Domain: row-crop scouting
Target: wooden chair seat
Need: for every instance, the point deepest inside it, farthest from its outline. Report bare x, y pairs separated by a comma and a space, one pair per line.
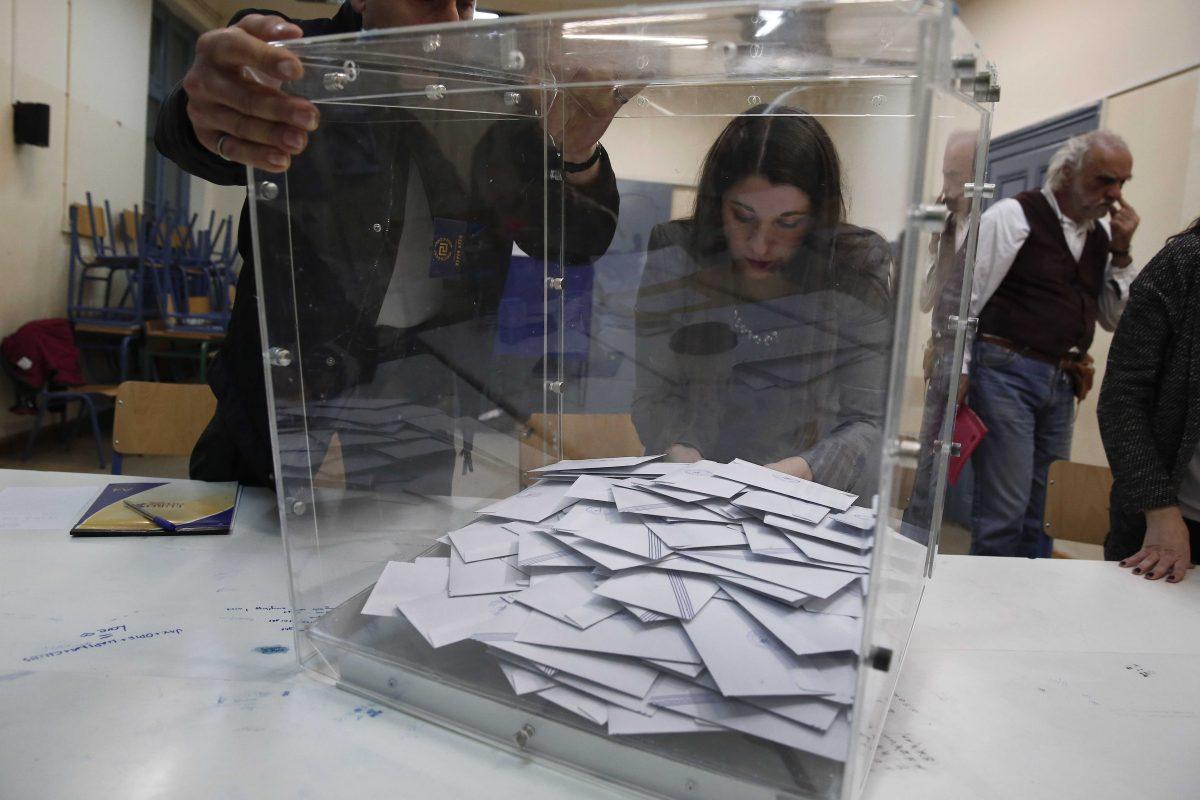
106, 328
155, 329
96, 388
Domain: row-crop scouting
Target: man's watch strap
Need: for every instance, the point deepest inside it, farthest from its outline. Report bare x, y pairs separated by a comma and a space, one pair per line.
584, 166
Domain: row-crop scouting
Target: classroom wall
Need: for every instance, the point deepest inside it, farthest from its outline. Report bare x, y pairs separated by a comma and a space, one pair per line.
62, 53
89, 59
1056, 55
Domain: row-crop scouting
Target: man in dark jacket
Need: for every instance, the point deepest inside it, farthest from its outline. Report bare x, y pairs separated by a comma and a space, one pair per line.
341, 228
1150, 417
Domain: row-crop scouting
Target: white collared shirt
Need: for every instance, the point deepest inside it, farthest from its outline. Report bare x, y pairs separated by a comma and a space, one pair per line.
1003, 230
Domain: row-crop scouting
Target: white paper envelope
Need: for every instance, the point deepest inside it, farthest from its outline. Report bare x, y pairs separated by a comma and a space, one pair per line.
585, 705
666, 491
534, 504
827, 553
773, 503
645, 615
781, 593
483, 539
803, 632
774, 591
689, 700
725, 509
744, 659
689, 671
596, 463
524, 681
623, 674
857, 517
634, 501
402, 580
620, 635
848, 602
773, 481
815, 712
676, 594
446, 620
701, 477
605, 525
590, 487
859, 540
622, 722
494, 576
609, 558
691, 535
569, 597
811, 580
767, 541
536, 548
610, 696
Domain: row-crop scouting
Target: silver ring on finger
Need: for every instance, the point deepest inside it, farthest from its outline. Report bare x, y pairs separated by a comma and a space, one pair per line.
221, 145
619, 96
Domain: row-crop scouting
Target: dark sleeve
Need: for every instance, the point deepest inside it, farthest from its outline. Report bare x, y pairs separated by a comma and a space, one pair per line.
860, 363
1136, 361
546, 218
666, 409
175, 138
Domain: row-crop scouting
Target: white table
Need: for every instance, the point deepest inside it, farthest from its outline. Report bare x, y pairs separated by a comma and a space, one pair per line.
1025, 679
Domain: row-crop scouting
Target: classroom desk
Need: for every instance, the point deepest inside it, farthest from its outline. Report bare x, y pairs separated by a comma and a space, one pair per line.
1024, 679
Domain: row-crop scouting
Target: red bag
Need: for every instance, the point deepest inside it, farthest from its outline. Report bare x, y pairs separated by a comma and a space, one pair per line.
969, 431
44, 351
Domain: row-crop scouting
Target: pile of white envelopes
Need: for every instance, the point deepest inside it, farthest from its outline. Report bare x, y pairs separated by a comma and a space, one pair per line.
650, 597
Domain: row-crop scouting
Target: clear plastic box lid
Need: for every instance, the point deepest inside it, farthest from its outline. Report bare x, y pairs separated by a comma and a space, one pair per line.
632, 467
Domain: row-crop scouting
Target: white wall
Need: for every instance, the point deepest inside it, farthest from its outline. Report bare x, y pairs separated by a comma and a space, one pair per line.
1056, 55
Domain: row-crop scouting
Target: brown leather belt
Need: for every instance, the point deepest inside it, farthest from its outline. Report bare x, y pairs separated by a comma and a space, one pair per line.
1023, 350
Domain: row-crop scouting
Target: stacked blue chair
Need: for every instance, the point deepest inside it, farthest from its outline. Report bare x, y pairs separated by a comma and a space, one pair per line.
106, 287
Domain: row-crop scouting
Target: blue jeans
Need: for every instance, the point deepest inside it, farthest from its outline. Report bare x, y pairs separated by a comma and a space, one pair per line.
1029, 408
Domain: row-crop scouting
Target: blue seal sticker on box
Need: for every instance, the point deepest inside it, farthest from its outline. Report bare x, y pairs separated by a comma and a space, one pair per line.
451, 238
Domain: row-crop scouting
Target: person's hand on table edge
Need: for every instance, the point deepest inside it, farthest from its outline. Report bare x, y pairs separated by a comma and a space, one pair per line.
234, 97
1166, 548
795, 466
682, 454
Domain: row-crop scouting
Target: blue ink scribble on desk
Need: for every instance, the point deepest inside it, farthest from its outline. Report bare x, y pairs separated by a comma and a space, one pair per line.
273, 649
103, 641
368, 711
283, 616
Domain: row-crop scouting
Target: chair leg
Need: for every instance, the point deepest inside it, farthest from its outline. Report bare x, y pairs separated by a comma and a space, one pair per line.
126, 344
204, 362
37, 426
118, 463
91, 409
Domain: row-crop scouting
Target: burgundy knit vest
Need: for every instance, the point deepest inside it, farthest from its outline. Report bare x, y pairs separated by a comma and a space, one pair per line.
1048, 301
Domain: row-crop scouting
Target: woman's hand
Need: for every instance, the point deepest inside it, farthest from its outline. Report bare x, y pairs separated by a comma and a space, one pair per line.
682, 454
1167, 548
796, 466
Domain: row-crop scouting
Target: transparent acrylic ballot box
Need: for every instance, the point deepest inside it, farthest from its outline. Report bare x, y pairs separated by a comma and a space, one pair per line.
626, 459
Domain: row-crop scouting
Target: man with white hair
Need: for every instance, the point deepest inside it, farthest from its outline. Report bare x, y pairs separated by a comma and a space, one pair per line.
1051, 263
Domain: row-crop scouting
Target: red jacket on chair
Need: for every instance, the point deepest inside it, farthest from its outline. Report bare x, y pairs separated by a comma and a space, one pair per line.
44, 350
